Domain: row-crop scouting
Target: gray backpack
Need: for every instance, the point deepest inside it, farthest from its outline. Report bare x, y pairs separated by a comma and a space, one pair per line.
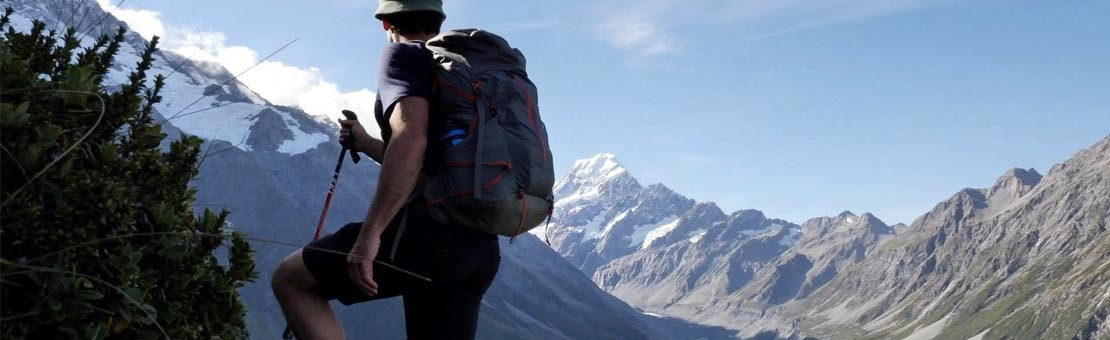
499, 177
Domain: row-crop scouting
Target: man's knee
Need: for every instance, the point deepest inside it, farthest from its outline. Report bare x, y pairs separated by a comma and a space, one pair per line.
291, 274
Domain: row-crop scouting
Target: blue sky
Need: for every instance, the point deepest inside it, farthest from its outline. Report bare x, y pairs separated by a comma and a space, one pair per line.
798, 108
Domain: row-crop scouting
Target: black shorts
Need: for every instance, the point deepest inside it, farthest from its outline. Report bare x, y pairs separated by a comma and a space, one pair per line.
460, 262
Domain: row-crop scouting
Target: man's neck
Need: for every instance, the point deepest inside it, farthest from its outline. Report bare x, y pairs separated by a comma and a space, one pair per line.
415, 37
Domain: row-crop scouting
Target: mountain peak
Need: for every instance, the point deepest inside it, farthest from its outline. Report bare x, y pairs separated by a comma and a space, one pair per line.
1026, 177
875, 224
848, 216
600, 176
1015, 183
601, 165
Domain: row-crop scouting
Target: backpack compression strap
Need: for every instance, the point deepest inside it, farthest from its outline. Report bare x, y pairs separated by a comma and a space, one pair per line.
480, 104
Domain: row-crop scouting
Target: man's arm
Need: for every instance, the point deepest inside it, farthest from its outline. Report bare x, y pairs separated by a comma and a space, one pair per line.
373, 148
409, 123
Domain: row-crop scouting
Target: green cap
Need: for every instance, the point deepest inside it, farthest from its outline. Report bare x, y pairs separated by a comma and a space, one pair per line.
400, 6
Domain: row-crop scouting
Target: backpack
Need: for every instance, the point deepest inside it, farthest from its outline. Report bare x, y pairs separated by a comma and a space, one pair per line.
499, 177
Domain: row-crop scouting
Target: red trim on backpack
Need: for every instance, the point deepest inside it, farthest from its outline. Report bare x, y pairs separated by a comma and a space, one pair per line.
488, 185
454, 90
532, 117
508, 166
494, 181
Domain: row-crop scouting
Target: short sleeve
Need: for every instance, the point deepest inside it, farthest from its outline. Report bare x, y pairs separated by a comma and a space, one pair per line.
406, 70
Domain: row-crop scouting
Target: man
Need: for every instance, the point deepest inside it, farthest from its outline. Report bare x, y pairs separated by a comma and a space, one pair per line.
461, 262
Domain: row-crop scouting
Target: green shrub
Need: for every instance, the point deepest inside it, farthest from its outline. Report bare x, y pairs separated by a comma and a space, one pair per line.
98, 236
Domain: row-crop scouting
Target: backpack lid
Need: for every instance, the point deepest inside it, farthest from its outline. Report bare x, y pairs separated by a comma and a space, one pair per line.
478, 50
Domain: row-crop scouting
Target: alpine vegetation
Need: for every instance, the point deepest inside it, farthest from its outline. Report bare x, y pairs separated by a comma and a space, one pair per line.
100, 239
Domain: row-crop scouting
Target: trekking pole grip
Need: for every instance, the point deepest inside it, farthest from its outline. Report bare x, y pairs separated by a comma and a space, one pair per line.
351, 142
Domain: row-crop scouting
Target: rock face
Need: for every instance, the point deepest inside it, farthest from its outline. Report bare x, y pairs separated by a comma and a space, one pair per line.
702, 264
271, 167
1024, 259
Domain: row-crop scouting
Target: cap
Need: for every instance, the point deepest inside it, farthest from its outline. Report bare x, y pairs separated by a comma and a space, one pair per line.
387, 7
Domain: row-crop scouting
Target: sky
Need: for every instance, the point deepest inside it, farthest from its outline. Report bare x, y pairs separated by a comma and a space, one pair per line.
798, 108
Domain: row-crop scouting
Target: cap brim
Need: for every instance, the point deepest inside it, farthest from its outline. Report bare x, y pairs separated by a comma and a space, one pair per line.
387, 8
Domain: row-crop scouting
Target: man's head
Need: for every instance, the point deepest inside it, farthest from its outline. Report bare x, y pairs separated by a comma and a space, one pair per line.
411, 19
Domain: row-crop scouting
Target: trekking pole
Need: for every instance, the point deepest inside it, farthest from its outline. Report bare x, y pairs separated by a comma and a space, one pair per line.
335, 178
288, 333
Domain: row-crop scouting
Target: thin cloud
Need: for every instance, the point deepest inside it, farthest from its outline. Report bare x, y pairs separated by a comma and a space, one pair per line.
646, 29
654, 27
526, 25
641, 35
281, 84
768, 19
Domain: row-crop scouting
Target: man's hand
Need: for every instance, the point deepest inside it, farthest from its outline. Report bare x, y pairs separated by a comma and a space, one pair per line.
352, 128
353, 135
360, 264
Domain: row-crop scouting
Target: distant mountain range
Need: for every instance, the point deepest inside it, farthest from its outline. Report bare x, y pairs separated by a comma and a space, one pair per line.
1028, 258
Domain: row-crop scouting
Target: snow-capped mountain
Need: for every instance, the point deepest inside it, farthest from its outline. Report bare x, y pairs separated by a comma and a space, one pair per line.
598, 179
271, 167
199, 98
603, 213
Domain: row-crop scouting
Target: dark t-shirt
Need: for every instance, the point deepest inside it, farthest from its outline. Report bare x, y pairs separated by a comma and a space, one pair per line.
406, 70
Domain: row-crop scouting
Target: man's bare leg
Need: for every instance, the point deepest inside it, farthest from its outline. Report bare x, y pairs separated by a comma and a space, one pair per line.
306, 311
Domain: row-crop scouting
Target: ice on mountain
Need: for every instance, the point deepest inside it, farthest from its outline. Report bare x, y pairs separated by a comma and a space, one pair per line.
640, 233
301, 141
658, 231
757, 232
696, 235
614, 221
594, 228
791, 238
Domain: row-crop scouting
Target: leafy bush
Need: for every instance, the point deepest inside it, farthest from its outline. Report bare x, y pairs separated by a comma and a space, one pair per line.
98, 236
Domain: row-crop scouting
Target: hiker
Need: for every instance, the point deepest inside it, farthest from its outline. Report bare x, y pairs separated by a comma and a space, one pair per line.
460, 261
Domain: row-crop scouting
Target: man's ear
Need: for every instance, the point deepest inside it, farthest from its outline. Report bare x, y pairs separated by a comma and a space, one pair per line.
386, 25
